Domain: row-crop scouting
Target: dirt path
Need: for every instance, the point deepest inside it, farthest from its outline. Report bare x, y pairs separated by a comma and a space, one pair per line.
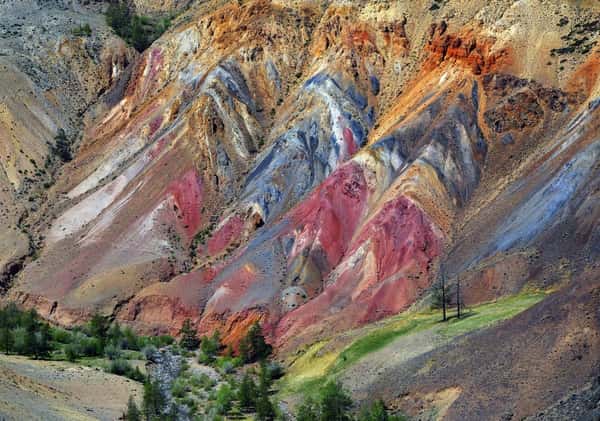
50, 390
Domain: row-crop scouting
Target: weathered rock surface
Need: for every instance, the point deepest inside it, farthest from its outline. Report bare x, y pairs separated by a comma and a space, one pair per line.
318, 167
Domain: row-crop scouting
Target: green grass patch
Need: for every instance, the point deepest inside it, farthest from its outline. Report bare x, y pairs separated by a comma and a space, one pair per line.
314, 367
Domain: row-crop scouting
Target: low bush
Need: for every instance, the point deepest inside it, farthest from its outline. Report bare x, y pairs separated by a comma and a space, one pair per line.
179, 388
224, 398
124, 368
149, 352
82, 30
113, 352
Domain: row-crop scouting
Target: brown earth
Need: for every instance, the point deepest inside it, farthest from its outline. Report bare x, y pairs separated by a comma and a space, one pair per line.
51, 390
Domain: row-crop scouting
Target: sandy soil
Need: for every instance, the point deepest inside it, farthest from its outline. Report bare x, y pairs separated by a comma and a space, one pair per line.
50, 390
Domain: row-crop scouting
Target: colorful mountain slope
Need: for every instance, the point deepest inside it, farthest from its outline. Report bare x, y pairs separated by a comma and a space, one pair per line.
318, 167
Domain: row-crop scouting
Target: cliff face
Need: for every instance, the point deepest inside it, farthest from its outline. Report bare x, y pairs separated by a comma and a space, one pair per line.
316, 167
48, 79
313, 166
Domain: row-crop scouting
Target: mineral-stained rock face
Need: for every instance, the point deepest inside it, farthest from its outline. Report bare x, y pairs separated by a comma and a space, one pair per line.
318, 167
48, 78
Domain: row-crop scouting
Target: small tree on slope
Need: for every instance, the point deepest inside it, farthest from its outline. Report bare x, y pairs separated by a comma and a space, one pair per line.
189, 338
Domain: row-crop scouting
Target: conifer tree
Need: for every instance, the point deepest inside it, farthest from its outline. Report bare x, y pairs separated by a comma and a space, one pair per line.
133, 413
7, 339
247, 394
189, 338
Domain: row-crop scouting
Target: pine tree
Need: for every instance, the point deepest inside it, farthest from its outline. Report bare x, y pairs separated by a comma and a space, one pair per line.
210, 347
154, 401
264, 407
253, 346
335, 403
189, 338
133, 413
247, 393
62, 145
30, 343
98, 328
7, 339
42, 345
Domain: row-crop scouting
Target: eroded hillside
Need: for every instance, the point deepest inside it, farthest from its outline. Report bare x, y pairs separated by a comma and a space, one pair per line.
319, 167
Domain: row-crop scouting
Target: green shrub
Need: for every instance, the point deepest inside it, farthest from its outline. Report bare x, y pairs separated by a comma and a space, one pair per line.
190, 402
308, 411
112, 352
62, 336
133, 413
7, 340
377, 412
119, 367
18, 335
71, 352
247, 393
149, 351
224, 398
122, 367
154, 401
275, 370
179, 388
82, 30
333, 404
129, 340
203, 381
209, 347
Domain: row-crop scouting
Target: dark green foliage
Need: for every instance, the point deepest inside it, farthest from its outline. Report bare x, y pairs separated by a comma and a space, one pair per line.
112, 352
308, 411
189, 339
209, 348
265, 411
224, 399
252, 397
124, 368
7, 340
275, 370
179, 388
98, 326
62, 146
253, 346
82, 30
333, 404
377, 412
62, 336
41, 341
139, 31
133, 413
71, 352
264, 407
129, 340
154, 401
247, 393
118, 17
24, 333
